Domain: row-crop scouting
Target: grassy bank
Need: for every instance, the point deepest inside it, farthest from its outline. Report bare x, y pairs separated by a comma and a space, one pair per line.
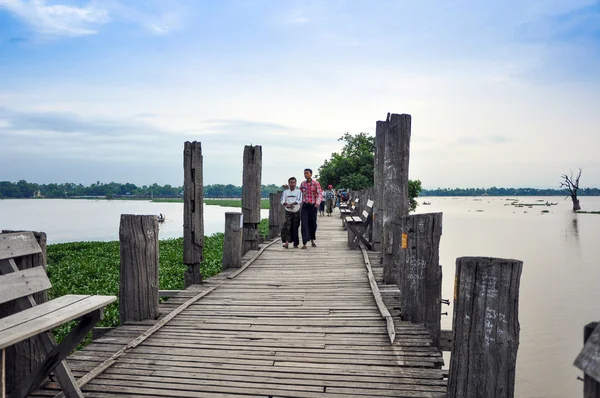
93, 268
264, 204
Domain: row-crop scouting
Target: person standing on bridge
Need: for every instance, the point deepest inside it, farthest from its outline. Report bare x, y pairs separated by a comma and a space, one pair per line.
311, 199
291, 199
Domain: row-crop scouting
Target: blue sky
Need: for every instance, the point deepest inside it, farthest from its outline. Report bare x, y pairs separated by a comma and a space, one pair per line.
501, 93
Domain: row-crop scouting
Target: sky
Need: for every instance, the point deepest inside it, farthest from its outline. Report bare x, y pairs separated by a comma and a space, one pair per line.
501, 93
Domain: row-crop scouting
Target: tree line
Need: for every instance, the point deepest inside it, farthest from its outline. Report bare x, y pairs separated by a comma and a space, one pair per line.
494, 191
24, 189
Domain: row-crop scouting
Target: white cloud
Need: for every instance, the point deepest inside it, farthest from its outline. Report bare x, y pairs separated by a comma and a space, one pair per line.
58, 20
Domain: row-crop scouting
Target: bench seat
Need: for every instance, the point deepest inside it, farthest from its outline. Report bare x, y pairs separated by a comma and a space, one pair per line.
354, 219
47, 316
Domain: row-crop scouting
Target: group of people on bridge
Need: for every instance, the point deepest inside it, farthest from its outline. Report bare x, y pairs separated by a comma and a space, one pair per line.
301, 209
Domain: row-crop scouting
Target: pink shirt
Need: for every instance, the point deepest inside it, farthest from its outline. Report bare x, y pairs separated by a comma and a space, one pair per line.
311, 192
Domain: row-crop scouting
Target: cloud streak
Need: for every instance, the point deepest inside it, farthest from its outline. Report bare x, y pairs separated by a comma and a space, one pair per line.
58, 20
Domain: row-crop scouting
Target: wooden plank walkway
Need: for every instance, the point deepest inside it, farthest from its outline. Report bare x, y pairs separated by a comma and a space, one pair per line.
295, 323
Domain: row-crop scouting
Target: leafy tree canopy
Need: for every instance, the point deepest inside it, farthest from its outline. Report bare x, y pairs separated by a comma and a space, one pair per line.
353, 168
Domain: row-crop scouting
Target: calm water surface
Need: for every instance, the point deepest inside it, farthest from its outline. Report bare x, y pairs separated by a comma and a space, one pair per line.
71, 220
560, 284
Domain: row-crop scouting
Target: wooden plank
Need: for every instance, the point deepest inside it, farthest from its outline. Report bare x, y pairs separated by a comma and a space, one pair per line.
169, 293
58, 354
378, 299
15, 329
18, 244
23, 283
235, 274
110, 361
42, 309
301, 327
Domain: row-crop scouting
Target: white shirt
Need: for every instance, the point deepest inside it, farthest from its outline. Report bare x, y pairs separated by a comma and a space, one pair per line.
289, 197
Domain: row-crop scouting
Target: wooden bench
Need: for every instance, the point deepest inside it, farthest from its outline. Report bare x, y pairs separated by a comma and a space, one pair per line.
350, 208
358, 225
38, 320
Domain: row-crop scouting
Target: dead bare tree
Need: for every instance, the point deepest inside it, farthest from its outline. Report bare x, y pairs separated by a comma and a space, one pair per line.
572, 185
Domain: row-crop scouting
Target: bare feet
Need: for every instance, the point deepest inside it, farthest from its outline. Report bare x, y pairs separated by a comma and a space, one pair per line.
303, 247
313, 244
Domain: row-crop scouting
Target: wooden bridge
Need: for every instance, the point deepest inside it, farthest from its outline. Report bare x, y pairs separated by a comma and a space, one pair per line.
293, 323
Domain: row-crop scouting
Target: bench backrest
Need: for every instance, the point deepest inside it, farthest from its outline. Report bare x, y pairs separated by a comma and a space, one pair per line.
15, 284
368, 210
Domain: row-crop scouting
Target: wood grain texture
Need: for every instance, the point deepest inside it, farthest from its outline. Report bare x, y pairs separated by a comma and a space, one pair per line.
276, 215
395, 184
486, 327
588, 360
293, 323
18, 244
251, 185
193, 214
138, 283
232, 241
419, 273
23, 283
23, 357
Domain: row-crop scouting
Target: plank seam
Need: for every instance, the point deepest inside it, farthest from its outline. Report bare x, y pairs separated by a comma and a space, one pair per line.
141, 338
378, 299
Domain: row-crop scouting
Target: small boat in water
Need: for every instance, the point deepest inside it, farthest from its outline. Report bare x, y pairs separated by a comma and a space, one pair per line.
426, 203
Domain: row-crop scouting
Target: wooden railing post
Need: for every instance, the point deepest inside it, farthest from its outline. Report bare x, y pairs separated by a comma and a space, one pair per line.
380, 129
138, 285
232, 241
419, 271
588, 360
193, 216
22, 357
251, 185
395, 185
486, 328
276, 214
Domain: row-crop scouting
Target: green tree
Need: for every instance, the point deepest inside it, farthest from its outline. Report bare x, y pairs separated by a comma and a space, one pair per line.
353, 168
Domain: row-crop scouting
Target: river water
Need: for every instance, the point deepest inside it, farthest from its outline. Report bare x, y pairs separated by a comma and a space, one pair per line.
560, 283
71, 220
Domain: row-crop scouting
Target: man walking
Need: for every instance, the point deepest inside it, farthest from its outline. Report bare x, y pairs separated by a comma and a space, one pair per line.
291, 199
311, 198
330, 198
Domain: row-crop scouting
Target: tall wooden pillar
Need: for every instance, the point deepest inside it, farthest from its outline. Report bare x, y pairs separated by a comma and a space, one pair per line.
395, 185
251, 184
193, 217
381, 128
419, 271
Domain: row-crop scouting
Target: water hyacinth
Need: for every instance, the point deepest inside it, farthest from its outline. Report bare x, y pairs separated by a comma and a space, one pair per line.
93, 268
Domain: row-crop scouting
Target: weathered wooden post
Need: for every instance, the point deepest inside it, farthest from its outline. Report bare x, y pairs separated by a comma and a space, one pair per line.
486, 328
232, 241
251, 196
395, 185
417, 255
193, 216
22, 357
380, 129
138, 284
276, 214
588, 360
